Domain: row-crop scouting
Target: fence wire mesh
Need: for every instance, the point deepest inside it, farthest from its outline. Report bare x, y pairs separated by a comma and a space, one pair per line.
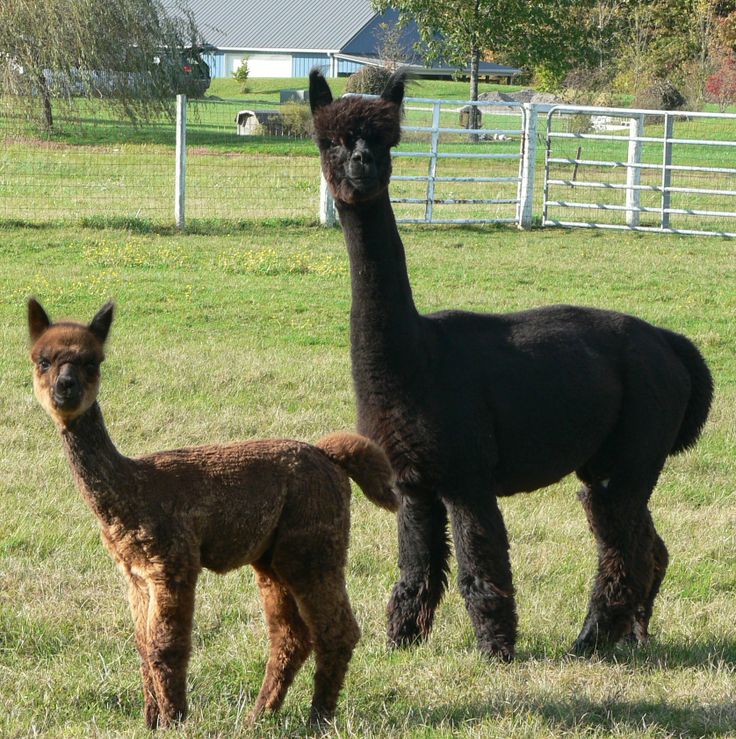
272, 172
96, 165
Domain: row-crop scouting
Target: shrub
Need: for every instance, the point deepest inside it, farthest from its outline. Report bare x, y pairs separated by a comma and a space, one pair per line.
660, 95
547, 79
296, 120
368, 81
721, 86
587, 86
241, 74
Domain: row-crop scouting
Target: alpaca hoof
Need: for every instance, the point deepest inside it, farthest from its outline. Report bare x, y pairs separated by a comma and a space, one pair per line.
169, 720
404, 638
404, 628
150, 714
496, 649
320, 718
583, 647
253, 715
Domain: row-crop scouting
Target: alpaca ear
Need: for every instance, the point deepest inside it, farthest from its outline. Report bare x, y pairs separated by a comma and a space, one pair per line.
100, 324
38, 321
319, 91
394, 91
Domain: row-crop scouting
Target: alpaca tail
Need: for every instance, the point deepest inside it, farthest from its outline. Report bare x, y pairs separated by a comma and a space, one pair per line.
701, 390
366, 463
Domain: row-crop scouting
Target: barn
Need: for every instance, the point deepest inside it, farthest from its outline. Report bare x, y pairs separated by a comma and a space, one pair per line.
281, 39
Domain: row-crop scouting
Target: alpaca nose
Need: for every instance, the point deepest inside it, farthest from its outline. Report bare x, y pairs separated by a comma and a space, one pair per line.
67, 387
65, 382
361, 154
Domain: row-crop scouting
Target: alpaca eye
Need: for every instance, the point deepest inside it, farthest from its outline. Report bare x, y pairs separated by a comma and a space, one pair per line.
43, 365
92, 368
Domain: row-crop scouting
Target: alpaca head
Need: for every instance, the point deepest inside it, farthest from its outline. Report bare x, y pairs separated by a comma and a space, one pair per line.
66, 357
355, 136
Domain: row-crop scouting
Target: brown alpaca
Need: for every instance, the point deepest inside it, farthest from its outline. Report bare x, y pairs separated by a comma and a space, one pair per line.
281, 506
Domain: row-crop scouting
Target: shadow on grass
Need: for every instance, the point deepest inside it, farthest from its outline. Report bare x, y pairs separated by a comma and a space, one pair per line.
655, 655
582, 714
194, 227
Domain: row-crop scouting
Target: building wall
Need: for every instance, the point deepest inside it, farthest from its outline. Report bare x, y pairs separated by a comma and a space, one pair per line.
216, 62
223, 64
301, 64
346, 68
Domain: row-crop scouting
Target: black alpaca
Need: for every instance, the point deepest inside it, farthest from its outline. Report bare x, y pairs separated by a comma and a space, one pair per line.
471, 406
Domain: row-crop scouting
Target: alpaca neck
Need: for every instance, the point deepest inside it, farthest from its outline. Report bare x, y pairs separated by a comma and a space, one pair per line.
101, 472
383, 317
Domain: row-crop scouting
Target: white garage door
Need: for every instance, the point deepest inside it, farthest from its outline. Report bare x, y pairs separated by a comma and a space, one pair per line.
269, 65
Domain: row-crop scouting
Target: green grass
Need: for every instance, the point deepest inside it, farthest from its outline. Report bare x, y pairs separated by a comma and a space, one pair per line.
266, 89
243, 332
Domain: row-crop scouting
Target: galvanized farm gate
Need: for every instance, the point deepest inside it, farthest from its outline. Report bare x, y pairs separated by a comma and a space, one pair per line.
448, 171
643, 170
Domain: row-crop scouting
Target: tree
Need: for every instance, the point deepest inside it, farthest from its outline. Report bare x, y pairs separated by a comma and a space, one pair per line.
721, 86
463, 32
127, 51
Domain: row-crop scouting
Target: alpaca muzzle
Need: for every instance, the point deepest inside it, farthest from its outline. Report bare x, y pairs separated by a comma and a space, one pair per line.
67, 388
361, 166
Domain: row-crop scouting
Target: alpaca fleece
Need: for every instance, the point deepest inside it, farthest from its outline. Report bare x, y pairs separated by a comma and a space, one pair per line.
470, 407
279, 505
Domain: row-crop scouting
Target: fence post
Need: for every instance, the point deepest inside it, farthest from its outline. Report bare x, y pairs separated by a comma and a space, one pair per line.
181, 159
633, 173
525, 211
666, 171
432, 171
327, 215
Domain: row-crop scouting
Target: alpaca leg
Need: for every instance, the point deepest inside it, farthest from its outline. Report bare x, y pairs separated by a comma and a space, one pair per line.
484, 574
289, 637
324, 605
423, 562
170, 616
660, 560
335, 632
138, 597
624, 584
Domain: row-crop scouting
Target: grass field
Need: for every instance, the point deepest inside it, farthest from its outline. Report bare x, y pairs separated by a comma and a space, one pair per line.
233, 334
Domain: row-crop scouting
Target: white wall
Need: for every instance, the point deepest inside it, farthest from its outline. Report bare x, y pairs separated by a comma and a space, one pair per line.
260, 65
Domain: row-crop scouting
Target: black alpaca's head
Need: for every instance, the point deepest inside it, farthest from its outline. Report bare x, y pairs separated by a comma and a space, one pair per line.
355, 136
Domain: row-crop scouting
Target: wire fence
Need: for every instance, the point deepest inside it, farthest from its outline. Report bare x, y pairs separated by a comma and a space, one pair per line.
598, 168
99, 166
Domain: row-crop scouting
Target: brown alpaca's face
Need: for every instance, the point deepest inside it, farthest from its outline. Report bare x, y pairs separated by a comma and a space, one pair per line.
355, 136
66, 360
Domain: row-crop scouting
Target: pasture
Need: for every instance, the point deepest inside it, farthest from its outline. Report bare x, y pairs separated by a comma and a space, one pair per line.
237, 333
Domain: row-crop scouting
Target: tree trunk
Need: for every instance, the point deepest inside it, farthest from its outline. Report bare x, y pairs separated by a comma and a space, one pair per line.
47, 119
475, 117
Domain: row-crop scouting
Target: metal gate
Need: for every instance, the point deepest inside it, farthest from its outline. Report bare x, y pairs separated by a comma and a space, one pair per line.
644, 170
448, 171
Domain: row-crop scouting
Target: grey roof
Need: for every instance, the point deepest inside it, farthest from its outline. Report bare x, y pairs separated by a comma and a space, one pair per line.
289, 25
